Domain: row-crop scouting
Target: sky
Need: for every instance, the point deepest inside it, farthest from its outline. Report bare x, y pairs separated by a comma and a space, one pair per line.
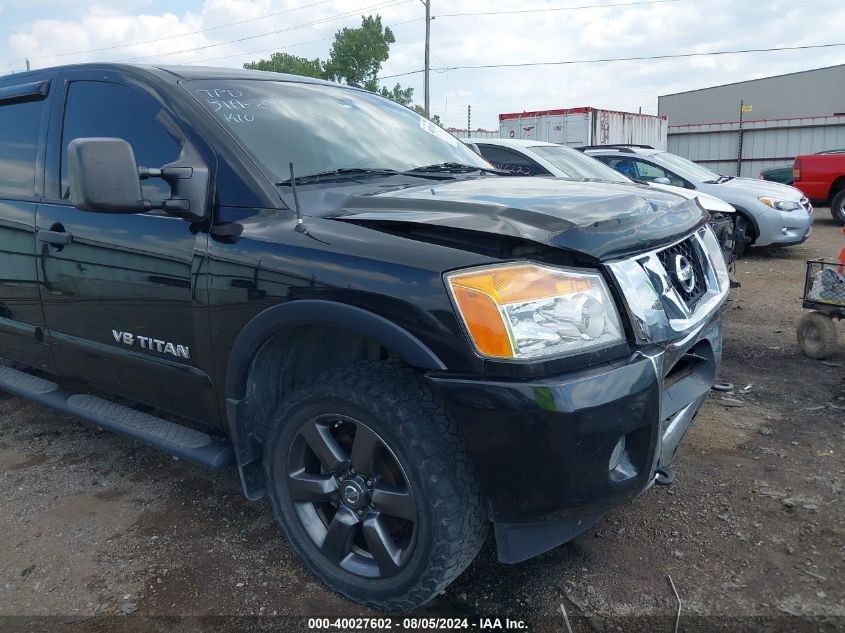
231, 32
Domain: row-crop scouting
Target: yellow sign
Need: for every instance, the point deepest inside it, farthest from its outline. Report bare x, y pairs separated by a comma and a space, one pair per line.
746, 108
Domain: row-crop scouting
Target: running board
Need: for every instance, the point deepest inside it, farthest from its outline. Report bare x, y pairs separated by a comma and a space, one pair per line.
183, 442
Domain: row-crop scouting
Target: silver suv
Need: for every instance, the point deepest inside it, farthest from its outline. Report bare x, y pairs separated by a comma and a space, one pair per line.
769, 213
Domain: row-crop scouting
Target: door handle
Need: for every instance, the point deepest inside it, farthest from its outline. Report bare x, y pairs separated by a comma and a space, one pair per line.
55, 238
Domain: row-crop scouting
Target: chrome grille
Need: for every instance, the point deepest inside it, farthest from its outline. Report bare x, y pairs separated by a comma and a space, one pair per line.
674, 259
656, 309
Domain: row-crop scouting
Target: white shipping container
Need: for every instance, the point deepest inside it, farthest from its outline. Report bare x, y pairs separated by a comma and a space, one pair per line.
462, 133
585, 126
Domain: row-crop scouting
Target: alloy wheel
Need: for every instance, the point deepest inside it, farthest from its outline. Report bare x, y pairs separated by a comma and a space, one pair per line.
352, 496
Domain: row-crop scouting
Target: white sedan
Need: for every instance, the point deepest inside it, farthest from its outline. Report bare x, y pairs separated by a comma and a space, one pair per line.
537, 158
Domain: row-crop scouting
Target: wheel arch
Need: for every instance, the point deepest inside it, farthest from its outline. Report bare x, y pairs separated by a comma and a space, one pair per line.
290, 342
835, 187
751, 220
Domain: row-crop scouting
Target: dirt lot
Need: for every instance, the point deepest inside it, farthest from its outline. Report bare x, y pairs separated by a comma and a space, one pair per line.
98, 533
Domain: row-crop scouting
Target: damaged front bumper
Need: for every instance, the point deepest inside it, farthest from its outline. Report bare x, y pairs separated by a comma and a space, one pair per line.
555, 454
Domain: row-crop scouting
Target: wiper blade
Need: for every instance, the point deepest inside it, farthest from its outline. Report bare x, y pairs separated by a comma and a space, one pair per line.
456, 168
719, 181
343, 172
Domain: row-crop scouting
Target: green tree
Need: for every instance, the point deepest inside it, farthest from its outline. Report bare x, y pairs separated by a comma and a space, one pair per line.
356, 57
285, 63
405, 96
358, 53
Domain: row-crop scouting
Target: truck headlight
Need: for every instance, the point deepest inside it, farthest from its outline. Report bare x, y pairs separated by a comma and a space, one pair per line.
780, 205
526, 311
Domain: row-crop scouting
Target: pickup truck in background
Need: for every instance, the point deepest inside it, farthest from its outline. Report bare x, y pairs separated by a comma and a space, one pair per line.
822, 179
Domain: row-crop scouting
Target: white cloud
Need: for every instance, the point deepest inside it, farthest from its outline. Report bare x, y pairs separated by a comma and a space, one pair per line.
670, 27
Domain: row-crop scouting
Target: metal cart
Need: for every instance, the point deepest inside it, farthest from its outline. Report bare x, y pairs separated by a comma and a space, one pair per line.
824, 294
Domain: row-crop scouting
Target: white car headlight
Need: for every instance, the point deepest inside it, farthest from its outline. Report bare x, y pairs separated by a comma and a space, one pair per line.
780, 205
526, 311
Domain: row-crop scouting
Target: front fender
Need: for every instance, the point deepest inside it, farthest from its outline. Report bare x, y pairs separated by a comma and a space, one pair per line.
301, 313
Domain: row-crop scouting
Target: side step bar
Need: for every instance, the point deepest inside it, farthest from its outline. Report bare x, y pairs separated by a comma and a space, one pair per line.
183, 442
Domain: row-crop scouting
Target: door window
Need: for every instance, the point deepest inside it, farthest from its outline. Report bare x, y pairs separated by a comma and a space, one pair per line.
20, 124
509, 160
112, 110
650, 172
624, 166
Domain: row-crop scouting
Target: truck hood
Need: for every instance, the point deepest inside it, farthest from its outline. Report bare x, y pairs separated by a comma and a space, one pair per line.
601, 220
761, 188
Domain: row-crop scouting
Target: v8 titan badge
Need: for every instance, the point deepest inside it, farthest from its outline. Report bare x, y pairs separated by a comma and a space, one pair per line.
152, 344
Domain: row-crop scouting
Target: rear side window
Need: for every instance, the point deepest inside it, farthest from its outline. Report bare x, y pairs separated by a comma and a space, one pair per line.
20, 124
511, 161
112, 110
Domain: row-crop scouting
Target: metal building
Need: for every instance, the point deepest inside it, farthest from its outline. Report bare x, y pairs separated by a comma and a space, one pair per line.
783, 116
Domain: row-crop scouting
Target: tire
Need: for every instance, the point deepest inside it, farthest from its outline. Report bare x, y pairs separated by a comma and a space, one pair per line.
817, 335
416, 454
837, 208
740, 235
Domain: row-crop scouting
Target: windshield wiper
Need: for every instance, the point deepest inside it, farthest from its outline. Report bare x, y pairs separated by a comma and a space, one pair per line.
456, 168
343, 172
719, 181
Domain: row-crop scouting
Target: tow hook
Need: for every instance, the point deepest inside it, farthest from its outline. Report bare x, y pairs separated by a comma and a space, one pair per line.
664, 476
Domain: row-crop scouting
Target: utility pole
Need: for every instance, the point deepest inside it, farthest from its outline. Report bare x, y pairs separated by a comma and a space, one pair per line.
469, 119
739, 140
742, 110
427, 58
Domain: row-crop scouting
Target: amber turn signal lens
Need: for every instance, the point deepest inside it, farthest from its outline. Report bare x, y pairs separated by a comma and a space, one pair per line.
485, 324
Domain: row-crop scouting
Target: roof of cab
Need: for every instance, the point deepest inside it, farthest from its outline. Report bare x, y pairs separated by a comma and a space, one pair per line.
622, 150
176, 73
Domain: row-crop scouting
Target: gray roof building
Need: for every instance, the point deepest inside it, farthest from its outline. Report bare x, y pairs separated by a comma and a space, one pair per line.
807, 93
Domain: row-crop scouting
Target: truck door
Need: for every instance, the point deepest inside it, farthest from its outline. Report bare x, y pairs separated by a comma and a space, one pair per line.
23, 122
124, 296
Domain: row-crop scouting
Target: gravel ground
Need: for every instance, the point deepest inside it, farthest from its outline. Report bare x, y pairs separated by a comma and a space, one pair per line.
99, 533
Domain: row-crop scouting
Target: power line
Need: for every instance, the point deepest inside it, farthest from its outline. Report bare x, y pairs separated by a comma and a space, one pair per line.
307, 6
281, 48
382, 5
624, 59
550, 9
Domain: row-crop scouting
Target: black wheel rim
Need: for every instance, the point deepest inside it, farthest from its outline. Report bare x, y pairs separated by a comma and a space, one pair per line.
352, 496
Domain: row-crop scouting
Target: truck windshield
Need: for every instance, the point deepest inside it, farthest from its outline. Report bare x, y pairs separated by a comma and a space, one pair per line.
322, 128
576, 165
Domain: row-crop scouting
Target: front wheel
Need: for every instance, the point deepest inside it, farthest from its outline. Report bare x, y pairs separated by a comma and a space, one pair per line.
837, 208
371, 483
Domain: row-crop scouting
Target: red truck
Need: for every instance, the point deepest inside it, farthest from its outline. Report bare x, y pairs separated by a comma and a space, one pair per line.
822, 179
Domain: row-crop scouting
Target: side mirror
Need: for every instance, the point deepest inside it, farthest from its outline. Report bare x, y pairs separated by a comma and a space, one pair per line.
104, 176
662, 181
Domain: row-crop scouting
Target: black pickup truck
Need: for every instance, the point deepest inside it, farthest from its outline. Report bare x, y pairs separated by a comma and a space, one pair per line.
392, 341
